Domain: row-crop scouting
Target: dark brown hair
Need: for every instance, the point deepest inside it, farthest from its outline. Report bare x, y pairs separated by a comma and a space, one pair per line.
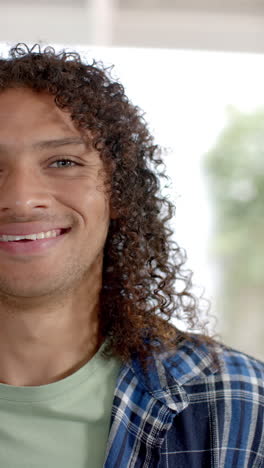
141, 264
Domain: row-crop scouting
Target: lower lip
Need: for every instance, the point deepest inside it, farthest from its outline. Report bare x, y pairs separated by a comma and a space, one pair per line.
31, 247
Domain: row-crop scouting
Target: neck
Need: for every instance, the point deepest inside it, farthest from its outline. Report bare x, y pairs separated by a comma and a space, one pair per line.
48, 342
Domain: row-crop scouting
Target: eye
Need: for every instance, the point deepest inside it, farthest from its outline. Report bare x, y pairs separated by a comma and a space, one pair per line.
65, 161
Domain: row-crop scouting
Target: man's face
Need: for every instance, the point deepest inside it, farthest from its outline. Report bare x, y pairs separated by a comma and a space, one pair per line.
36, 188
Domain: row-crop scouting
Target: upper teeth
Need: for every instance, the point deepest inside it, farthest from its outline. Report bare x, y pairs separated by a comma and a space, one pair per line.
40, 235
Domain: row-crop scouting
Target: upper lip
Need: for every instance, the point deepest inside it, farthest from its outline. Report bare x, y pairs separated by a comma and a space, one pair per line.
23, 229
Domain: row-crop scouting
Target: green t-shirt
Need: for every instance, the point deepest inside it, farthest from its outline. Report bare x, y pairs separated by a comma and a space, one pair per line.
62, 424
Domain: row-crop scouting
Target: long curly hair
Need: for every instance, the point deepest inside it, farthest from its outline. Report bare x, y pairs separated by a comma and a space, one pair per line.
141, 265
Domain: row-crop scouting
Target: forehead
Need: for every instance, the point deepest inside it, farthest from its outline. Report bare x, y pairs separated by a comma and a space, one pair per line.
24, 113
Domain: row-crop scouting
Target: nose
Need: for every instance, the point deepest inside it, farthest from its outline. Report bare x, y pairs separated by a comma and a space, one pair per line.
22, 193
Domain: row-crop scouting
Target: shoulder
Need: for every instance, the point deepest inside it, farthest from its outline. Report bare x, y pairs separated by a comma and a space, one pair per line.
194, 369
236, 363
193, 362
222, 407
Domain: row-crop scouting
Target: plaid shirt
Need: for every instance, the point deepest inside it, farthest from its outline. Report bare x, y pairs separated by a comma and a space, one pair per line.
187, 414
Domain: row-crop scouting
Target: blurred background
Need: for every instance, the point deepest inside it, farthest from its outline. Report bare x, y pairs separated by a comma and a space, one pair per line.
196, 67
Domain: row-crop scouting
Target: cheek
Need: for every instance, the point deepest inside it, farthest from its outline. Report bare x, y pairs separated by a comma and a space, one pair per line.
91, 205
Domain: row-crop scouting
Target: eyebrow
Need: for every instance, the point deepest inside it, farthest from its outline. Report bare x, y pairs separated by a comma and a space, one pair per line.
58, 142
55, 143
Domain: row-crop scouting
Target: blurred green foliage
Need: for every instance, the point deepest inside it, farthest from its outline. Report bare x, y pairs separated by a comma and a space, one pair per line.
235, 171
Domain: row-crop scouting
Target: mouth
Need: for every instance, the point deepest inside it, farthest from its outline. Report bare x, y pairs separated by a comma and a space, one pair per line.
33, 247
62, 231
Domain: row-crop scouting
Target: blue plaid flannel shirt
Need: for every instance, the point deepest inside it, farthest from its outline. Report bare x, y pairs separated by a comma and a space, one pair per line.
187, 414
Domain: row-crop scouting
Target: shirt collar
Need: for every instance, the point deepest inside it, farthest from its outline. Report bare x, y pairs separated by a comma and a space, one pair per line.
170, 371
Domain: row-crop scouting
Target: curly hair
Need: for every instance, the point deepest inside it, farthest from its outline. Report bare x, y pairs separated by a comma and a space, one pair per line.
141, 265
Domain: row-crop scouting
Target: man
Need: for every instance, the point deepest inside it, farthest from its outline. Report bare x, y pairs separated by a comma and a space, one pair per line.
92, 371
